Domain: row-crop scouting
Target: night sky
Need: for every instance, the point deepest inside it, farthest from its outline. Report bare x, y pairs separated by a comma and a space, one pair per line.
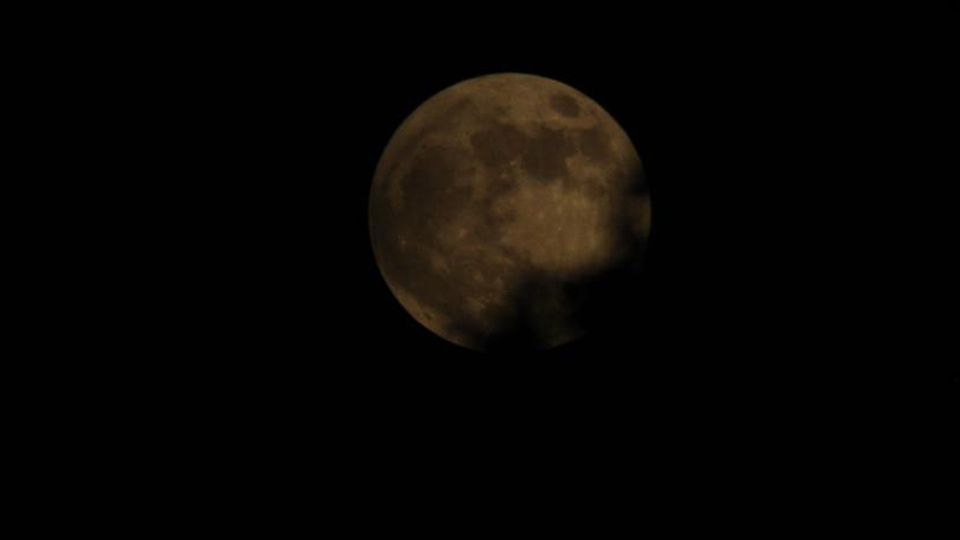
748, 298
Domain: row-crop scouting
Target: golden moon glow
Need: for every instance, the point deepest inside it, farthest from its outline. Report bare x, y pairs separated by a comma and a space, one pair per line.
496, 202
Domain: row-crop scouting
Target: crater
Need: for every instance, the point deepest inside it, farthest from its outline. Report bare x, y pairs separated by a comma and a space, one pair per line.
545, 158
595, 143
565, 105
497, 146
430, 194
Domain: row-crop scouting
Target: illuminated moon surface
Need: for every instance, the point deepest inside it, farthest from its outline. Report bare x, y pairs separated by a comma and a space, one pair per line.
497, 206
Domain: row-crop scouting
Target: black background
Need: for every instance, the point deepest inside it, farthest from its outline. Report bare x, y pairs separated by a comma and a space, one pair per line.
753, 301
251, 350
302, 132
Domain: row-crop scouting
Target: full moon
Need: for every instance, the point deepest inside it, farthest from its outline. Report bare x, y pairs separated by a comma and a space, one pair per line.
498, 205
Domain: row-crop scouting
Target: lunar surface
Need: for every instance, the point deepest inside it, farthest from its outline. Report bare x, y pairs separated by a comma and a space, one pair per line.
499, 204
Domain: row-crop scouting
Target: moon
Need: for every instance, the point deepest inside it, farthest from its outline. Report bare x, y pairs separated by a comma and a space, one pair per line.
499, 204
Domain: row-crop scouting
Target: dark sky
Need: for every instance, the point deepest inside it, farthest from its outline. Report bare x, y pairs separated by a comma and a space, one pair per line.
748, 295
229, 346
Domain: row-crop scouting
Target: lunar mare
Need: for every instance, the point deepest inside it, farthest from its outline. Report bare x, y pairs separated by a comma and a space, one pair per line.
495, 204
